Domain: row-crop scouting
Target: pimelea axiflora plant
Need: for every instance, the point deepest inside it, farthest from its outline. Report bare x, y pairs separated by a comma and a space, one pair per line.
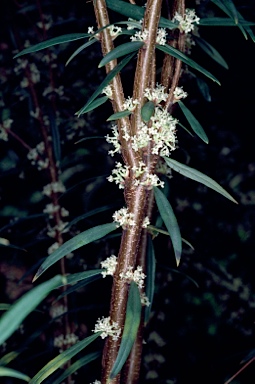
143, 137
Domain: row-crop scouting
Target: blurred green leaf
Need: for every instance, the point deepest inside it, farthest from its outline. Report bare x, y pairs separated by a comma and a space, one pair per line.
119, 115
132, 321
11, 319
193, 174
228, 7
147, 111
223, 22
49, 43
185, 59
150, 278
77, 365
76, 242
211, 51
12, 373
204, 89
73, 278
61, 359
194, 123
76, 286
168, 216
105, 82
121, 50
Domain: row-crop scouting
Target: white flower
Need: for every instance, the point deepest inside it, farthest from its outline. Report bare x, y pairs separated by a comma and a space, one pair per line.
140, 35
143, 177
3, 134
107, 91
137, 276
53, 248
108, 328
186, 23
119, 174
146, 222
55, 187
114, 30
50, 209
96, 382
91, 30
123, 218
130, 104
179, 93
110, 265
145, 300
68, 340
156, 94
114, 140
161, 36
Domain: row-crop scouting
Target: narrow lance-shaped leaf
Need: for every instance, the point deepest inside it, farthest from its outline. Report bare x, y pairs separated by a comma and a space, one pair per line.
132, 321
76, 242
185, 59
73, 278
77, 286
105, 82
193, 174
96, 103
11, 319
61, 359
121, 50
77, 365
150, 278
223, 22
228, 7
8, 372
81, 48
49, 43
194, 123
211, 51
135, 12
119, 115
168, 216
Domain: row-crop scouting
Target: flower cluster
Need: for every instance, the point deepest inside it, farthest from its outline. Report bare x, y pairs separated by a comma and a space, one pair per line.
137, 276
6, 124
110, 265
143, 177
156, 94
124, 218
114, 140
35, 155
68, 340
143, 36
119, 175
179, 93
146, 222
130, 104
108, 328
161, 133
53, 187
186, 23
114, 30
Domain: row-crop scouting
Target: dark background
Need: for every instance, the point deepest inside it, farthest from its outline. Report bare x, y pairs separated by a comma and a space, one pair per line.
202, 323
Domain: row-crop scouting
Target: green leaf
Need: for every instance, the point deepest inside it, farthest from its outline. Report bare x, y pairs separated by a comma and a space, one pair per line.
193, 174
119, 115
168, 216
76, 242
12, 373
81, 48
147, 111
96, 103
185, 59
77, 365
73, 278
204, 89
79, 285
61, 359
11, 319
105, 82
132, 321
121, 50
185, 129
195, 125
150, 278
211, 51
49, 43
223, 22
228, 7
135, 12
